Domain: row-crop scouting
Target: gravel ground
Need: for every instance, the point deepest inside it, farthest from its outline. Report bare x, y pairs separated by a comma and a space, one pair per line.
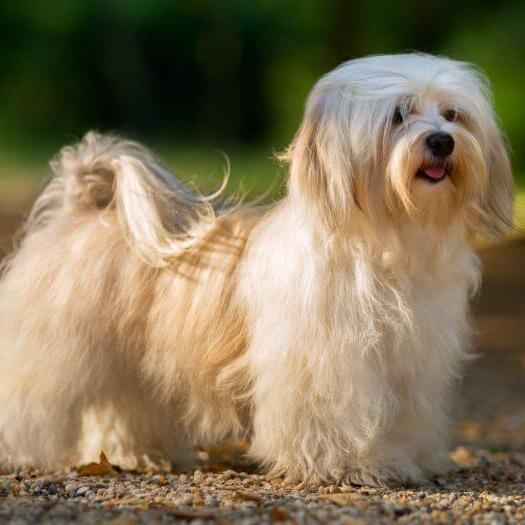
486, 483
483, 487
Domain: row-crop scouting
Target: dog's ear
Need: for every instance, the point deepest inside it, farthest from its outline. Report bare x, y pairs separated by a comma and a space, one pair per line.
497, 207
320, 158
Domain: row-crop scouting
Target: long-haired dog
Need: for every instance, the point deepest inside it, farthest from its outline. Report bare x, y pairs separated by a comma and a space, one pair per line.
142, 318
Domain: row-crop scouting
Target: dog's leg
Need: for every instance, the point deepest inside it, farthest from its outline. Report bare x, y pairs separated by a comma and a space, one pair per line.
424, 432
48, 389
319, 416
134, 436
42, 394
55, 360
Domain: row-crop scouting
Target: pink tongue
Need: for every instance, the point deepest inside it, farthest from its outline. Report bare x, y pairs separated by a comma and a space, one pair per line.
435, 173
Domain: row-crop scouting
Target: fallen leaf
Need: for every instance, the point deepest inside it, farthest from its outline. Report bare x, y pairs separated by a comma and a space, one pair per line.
228, 448
198, 500
132, 501
462, 456
279, 514
249, 496
120, 521
338, 499
97, 469
190, 514
342, 500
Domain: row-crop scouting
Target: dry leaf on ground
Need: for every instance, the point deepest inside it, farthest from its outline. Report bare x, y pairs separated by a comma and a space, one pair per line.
102, 468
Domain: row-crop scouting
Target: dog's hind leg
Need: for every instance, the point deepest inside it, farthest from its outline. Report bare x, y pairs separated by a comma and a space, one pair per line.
135, 428
42, 395
57, 350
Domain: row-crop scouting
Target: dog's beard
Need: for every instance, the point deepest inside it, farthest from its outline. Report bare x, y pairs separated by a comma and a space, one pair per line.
423, 188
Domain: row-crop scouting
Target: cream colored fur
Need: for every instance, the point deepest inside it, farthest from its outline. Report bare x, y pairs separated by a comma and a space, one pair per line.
329, 329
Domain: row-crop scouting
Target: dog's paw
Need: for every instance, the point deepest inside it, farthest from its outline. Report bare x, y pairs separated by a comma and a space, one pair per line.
404, 476
364, 477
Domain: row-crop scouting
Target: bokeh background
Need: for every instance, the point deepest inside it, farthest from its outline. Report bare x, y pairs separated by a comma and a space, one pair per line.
193, 77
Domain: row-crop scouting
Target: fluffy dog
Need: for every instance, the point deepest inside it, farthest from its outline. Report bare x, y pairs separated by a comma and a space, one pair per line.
142, 318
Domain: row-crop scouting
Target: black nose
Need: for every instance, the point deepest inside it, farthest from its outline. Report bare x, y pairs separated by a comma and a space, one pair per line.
441, 144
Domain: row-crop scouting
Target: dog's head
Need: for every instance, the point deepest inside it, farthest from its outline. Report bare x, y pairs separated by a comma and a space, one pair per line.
403, 138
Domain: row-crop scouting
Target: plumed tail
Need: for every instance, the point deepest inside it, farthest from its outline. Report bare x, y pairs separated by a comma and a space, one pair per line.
159, 216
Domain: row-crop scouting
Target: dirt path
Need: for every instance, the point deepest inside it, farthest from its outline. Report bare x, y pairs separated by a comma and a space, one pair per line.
486, 485
494, 389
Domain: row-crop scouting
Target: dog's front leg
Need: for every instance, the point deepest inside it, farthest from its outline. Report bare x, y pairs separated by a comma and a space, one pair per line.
323, 413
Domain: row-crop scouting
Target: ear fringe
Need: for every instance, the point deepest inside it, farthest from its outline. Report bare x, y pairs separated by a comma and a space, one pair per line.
320, 159
498, 208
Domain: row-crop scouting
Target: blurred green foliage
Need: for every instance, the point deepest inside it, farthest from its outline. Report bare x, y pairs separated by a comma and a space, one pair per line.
197, 75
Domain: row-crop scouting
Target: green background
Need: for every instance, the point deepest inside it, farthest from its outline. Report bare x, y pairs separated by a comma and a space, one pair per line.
192, 78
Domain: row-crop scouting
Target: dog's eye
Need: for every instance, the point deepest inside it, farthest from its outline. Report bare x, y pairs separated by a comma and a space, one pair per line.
450, 115
397, 118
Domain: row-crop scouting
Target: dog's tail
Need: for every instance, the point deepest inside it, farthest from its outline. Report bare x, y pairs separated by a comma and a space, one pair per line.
160, 216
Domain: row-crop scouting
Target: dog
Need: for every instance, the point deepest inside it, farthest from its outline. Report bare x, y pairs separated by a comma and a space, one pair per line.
329, 329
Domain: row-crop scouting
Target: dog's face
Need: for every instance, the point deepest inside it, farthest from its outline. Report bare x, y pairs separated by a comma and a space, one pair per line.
404, 138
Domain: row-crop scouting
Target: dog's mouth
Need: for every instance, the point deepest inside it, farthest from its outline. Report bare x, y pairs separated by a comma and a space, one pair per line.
432, 174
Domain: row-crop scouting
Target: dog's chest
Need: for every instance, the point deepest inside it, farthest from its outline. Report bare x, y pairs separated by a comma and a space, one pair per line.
403, 317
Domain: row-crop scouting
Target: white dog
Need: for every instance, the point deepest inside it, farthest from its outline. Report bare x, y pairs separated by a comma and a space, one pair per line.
143, 319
